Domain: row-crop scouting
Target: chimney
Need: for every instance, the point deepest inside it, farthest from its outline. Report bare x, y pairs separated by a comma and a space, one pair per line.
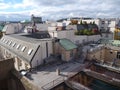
58, 71
33, 27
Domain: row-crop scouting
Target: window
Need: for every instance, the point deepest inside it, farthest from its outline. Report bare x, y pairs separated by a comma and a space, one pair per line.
18, 46
71, 53
109, 22
13, 44
118, 55
26, 66
10, 43
30, 51
3, 40
6, 41
23, 48
103, 22
19, 62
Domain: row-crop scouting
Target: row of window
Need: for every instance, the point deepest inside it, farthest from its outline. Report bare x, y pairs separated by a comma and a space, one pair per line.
13, 44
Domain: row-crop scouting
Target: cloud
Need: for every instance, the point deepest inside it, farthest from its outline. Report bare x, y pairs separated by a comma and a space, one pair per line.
54, 9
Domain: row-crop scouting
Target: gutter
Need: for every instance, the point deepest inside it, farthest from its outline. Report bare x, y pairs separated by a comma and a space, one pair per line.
34, 56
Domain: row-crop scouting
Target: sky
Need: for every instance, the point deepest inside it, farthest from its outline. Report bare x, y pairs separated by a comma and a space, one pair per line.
57, 9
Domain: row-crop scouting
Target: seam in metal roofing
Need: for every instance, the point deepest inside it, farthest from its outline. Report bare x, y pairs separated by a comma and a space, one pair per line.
67, 44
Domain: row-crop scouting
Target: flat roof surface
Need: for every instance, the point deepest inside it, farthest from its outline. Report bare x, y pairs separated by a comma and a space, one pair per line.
32, 37
46, 77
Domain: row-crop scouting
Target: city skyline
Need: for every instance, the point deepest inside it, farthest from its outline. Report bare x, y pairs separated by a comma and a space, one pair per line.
55, 9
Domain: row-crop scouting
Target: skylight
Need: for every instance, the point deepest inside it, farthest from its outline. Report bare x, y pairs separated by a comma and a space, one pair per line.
10, 42
6, 41
18, 46
23, 48
13, 44
30, 51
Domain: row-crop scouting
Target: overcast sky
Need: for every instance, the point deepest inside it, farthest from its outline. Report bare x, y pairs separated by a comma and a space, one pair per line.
55, 9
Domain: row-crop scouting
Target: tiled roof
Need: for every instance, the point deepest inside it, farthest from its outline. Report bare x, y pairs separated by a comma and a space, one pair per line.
67, 44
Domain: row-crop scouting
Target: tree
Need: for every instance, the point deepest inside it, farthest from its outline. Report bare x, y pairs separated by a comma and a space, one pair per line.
93, 22
85, 31
81, 22
76, 33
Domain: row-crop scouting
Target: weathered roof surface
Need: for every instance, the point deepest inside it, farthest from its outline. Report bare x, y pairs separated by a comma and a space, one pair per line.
1, 27
39, 76
21, 45
115, 42
103, 41
111, 42
67, 44
15, 46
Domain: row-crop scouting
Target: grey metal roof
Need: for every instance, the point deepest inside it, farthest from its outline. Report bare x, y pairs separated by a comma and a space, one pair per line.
32, 38
22, 46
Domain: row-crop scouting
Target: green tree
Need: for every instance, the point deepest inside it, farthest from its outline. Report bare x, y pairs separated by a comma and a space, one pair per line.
81, 22
85, 32
93, 22
76, 33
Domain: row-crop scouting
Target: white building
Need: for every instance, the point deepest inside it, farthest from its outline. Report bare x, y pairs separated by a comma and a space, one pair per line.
104, 24
77, 39
12, 28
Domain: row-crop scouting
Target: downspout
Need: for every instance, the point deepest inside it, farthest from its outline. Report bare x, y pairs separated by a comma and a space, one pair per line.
33, 57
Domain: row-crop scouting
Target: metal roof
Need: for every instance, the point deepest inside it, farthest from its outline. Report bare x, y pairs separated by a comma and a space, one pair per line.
67, 44
21, 46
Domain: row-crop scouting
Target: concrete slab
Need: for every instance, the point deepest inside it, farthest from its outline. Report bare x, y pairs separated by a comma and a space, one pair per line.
46, 77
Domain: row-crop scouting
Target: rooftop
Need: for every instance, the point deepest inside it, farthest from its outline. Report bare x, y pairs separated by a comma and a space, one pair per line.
31, 37
46, 77
67, 44
24, 45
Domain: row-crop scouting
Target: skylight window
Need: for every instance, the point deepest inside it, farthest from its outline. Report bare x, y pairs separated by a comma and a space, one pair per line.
30, 51
18, 46
3, 40
13, 44
6, 41
23, 48
10, 43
